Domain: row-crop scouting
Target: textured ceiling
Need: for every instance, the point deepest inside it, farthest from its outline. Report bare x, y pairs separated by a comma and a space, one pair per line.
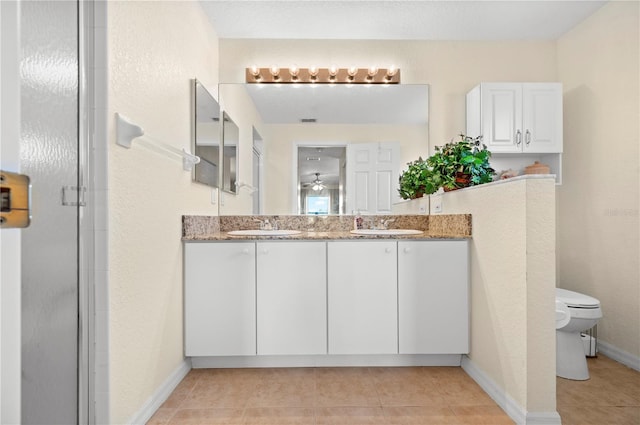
398, 19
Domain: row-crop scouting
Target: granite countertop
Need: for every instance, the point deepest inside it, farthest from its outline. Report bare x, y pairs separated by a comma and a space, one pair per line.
214, 228
312, 236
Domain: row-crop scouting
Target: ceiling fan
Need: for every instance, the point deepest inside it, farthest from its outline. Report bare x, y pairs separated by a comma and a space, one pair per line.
315, 184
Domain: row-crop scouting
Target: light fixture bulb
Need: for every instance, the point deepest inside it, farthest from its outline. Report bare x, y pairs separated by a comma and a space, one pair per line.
275, 71
372, 71
333, 71
294, 71
313, 71
392, 71
255, 71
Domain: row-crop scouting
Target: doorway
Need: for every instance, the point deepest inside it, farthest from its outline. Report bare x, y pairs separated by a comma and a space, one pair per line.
321, 179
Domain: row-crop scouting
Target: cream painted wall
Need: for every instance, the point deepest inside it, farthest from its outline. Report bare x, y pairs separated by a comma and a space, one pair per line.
155, 49
598, 233
512, 285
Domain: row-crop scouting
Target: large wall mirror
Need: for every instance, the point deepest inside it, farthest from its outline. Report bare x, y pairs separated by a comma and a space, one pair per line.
322, 145
206, 136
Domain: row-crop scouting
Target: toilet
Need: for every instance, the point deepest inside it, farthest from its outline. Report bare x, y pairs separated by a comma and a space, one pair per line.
575, 313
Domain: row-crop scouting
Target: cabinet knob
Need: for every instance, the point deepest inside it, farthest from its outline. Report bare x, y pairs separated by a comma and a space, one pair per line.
265, 251
245, 251
387, 250
407, 250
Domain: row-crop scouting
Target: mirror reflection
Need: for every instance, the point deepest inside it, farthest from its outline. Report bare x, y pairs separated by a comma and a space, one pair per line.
206, 136
321, 179
362, 134
230, 143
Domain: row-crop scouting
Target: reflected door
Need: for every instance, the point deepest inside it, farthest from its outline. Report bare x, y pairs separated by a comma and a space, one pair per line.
372, 174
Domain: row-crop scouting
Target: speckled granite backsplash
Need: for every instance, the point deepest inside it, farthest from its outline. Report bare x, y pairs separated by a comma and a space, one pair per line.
211, 227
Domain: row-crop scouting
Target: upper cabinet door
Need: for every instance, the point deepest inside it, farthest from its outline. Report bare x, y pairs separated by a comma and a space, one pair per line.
542, 117
516, 117
501, 111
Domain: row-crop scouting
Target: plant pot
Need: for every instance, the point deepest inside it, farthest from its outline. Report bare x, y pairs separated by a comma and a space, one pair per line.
461, 180
418, 194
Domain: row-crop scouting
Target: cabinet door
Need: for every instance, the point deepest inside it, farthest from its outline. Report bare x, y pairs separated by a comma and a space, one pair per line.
501, 109
542, 117
292, 297
220, 299
433, 297
362, 300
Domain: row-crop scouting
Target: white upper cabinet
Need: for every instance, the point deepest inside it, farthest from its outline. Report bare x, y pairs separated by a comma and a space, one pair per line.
291, 298
516, 117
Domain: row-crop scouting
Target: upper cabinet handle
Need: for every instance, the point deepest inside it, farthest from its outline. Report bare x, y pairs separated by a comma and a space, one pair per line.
527, 137
518, 137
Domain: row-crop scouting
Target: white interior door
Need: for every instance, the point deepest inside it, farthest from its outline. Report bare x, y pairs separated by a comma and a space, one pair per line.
372, 175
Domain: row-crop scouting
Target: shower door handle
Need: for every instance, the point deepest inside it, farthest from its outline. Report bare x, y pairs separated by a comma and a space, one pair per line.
15, 196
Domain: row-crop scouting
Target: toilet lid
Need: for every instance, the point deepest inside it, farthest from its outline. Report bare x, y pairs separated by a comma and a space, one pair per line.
576, 299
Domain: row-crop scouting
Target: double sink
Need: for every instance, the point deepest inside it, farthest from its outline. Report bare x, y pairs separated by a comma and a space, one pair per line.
370, 232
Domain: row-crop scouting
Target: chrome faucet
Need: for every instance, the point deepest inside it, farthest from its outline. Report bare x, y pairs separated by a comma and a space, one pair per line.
385, 223
266, 225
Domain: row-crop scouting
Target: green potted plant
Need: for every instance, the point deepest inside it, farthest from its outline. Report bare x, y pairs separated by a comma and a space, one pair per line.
418, 179
462, 163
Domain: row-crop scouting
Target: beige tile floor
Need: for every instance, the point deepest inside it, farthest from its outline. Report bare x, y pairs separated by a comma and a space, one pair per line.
390, 396
610, 397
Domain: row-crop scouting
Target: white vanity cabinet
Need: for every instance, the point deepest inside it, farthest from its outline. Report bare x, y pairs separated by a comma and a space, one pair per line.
363, 297
220, 299
433, 297
291, 298
516, 117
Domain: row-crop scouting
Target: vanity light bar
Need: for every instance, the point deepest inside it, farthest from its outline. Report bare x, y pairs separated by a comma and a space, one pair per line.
330, 75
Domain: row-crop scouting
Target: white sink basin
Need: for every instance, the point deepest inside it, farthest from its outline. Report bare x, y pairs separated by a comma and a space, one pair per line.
387, 232
263, 232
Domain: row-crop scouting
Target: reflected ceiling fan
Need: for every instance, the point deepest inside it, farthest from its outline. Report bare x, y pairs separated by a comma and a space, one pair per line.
315, 184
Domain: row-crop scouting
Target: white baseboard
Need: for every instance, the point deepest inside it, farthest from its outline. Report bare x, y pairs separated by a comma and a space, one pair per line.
328, 360
619, 355
516, 412
161, 394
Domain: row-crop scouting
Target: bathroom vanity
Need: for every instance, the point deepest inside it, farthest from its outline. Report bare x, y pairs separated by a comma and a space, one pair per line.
325, 297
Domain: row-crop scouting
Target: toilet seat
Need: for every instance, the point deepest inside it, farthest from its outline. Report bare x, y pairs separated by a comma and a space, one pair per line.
575, 299
563, 314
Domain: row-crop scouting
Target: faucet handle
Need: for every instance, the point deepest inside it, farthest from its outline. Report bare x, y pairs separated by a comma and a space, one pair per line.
262, 222
385, 223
